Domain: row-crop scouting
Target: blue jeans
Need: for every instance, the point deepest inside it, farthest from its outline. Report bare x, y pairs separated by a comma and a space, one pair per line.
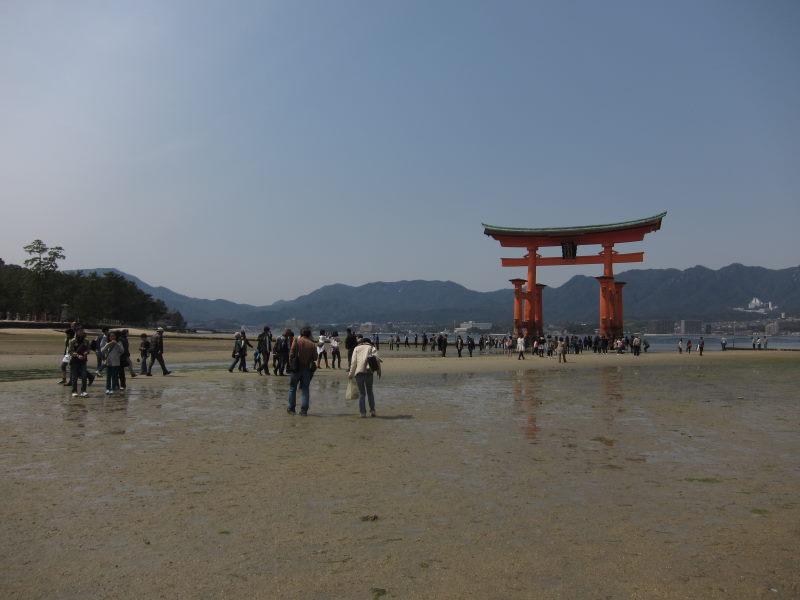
364, 383
304, 379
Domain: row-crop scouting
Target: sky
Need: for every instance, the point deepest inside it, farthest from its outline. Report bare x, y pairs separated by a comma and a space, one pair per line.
256, 151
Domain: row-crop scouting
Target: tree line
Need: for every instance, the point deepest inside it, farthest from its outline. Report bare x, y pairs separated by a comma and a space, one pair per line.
38, 291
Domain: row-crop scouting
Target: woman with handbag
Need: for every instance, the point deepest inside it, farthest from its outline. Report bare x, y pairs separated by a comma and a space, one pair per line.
365, 364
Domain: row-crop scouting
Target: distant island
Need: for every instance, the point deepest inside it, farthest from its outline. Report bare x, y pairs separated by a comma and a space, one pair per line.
698, 293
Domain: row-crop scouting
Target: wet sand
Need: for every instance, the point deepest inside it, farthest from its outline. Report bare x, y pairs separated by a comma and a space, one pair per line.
664, 476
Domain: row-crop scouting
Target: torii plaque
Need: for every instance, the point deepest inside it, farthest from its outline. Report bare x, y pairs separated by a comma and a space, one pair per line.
569, 238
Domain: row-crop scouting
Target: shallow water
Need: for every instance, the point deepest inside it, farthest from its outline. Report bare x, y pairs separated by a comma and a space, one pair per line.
621, 481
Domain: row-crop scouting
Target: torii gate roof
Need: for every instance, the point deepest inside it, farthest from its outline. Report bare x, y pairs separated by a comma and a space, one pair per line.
590, 233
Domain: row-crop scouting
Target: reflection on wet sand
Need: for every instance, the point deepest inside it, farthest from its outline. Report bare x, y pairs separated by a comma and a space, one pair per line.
569, 483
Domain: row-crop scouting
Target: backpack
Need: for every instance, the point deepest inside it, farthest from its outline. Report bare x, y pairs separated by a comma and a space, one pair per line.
280, 344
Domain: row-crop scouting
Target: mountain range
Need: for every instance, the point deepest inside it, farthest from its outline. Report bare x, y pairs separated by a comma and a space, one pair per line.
695, 293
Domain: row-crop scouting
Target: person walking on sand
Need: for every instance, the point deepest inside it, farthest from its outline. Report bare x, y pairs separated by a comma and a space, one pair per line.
350, 343
157, 352
78, 364
101, 339
680, 346
701, 342
122, 338
144, 351
302, 355
112, 353
366, 363
238, 355
561, 350
459, 345
336, 355
521, 347
264, 347
323, 347
282, 346
70, 334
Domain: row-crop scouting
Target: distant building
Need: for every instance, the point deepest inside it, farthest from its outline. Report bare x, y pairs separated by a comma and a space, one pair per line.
661, 326
367, 327
691, 327
773, 328
474, 325
294, 324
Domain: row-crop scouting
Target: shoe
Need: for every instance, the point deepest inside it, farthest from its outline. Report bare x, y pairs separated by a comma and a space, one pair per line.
133, 374
230, 370
372, 413
149, 374
363, 415
62, 381
168, 372
74, 394
303, 413
109, 392
84, 395
122, 389
290, 411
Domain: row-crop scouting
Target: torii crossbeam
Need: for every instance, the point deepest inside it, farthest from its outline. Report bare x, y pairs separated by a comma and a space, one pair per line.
569, 238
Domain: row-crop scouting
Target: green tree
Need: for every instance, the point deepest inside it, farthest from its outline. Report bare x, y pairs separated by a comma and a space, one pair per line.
42, 264
43, 259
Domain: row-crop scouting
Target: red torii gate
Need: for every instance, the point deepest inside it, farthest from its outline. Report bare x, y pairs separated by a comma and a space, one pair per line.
569, 238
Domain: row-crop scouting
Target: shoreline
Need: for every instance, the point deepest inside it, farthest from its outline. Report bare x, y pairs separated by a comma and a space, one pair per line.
41, 350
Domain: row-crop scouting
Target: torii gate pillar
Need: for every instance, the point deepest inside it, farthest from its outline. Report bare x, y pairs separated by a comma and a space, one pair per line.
519, 299
538, 316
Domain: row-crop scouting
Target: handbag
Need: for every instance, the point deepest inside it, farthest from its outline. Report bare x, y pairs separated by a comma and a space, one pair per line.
351, 393
372, 363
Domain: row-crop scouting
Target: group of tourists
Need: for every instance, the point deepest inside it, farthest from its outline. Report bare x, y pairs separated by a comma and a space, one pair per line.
701, 343
300, 356
112, 349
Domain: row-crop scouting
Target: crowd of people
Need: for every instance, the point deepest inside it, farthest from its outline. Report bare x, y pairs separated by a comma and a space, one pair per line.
300, 356
112, 350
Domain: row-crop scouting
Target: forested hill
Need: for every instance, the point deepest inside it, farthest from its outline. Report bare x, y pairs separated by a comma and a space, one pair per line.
695, 293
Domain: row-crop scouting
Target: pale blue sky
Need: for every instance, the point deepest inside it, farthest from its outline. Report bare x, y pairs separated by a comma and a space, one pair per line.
256, 151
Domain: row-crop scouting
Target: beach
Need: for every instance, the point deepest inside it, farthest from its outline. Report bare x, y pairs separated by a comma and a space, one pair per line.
659, 476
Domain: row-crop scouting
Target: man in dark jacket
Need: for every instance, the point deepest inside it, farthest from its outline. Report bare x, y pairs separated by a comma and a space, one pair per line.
157, 352
264, 346
350, 344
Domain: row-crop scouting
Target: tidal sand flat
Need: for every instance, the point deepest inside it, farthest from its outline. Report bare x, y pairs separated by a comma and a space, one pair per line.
606, 478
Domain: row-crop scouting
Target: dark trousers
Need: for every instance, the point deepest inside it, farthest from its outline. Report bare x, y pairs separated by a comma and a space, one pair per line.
77, 369
112, 378
156, 357
283, 360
